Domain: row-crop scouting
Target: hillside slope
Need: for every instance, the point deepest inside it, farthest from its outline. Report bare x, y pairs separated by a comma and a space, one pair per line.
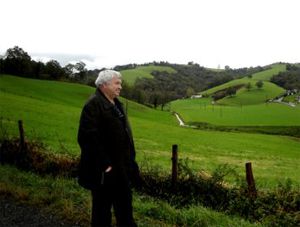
130, 75
248, 107
50, 112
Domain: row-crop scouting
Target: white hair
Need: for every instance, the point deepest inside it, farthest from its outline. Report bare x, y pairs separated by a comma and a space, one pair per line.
106, 75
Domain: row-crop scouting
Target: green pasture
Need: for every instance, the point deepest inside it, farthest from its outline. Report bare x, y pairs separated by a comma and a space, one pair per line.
51, 110
267, 74
248, 107
254, 95
266, 114
130, 75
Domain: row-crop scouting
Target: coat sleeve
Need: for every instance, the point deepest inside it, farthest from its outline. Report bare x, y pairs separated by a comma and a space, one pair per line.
93, 158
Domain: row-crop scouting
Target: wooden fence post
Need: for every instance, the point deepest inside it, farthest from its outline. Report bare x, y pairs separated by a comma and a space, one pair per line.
250, 181
21, 131
174, 164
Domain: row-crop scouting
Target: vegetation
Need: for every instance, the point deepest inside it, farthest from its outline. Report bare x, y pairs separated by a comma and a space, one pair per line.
65, 198
152, 84
131, 75
184, 82
50, 111
249, 106
191, 189
290, 79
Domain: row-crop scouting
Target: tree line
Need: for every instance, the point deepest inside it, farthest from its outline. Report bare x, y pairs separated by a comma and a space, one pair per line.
158, 91
290, 79
186, 81
17, 62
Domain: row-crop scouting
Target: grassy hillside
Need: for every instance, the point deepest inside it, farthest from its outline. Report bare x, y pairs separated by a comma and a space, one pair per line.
130, 75
270, 90
268, 114
254, 95
50, 111
65, 198
247, 108
267, 74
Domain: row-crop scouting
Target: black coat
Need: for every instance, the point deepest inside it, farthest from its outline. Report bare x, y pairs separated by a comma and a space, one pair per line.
105, 139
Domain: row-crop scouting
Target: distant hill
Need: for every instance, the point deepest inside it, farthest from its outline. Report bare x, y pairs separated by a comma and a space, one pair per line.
247, 107
264, 75
130, 75
50, 112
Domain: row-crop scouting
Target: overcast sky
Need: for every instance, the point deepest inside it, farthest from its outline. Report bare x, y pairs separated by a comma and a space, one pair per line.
105, 33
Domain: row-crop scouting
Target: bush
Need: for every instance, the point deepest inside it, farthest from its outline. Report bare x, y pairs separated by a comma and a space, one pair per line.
280, 207
33, 157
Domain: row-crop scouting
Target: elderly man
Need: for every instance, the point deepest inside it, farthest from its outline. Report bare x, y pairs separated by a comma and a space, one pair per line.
107, 164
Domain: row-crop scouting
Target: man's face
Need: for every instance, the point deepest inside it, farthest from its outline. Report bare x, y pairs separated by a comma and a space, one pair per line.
113, 87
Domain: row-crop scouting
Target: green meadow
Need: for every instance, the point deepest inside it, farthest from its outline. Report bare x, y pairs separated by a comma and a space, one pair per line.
249, 107
263, 75
130, 75
50, 111
264, 114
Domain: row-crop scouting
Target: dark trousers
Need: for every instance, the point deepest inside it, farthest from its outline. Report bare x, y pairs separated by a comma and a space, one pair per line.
113, 195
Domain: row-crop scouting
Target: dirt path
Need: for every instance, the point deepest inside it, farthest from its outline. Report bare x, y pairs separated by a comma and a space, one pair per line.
14, 214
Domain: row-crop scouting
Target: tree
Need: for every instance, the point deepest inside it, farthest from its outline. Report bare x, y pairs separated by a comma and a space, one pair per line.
190, 91
17, 53
227, 67
248, 86
259, 84
69, 70
17, 62
80, 67
231, 91
54, 70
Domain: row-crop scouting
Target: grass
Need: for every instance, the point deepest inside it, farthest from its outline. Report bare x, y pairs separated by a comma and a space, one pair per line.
50, 111
254, 95
66, 199
249, 107
130, 75
55, 123
267, 114
270, 90
267, 74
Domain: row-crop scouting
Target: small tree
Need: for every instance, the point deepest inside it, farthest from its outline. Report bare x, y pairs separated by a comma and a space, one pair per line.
189, 92
231, 91
259, 84
248, 86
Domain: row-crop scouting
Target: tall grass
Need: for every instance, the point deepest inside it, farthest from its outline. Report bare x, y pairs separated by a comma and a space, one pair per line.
66, 199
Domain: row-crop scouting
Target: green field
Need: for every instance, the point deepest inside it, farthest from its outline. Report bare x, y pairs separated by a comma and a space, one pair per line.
50, 112
267, 74
130, 75
248, 107
264, 75
267, 114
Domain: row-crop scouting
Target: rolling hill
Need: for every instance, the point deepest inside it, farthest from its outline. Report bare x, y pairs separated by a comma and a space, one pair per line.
248, 107
130, 75
50, 111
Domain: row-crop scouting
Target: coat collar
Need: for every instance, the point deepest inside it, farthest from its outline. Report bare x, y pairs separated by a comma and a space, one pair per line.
106, 103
